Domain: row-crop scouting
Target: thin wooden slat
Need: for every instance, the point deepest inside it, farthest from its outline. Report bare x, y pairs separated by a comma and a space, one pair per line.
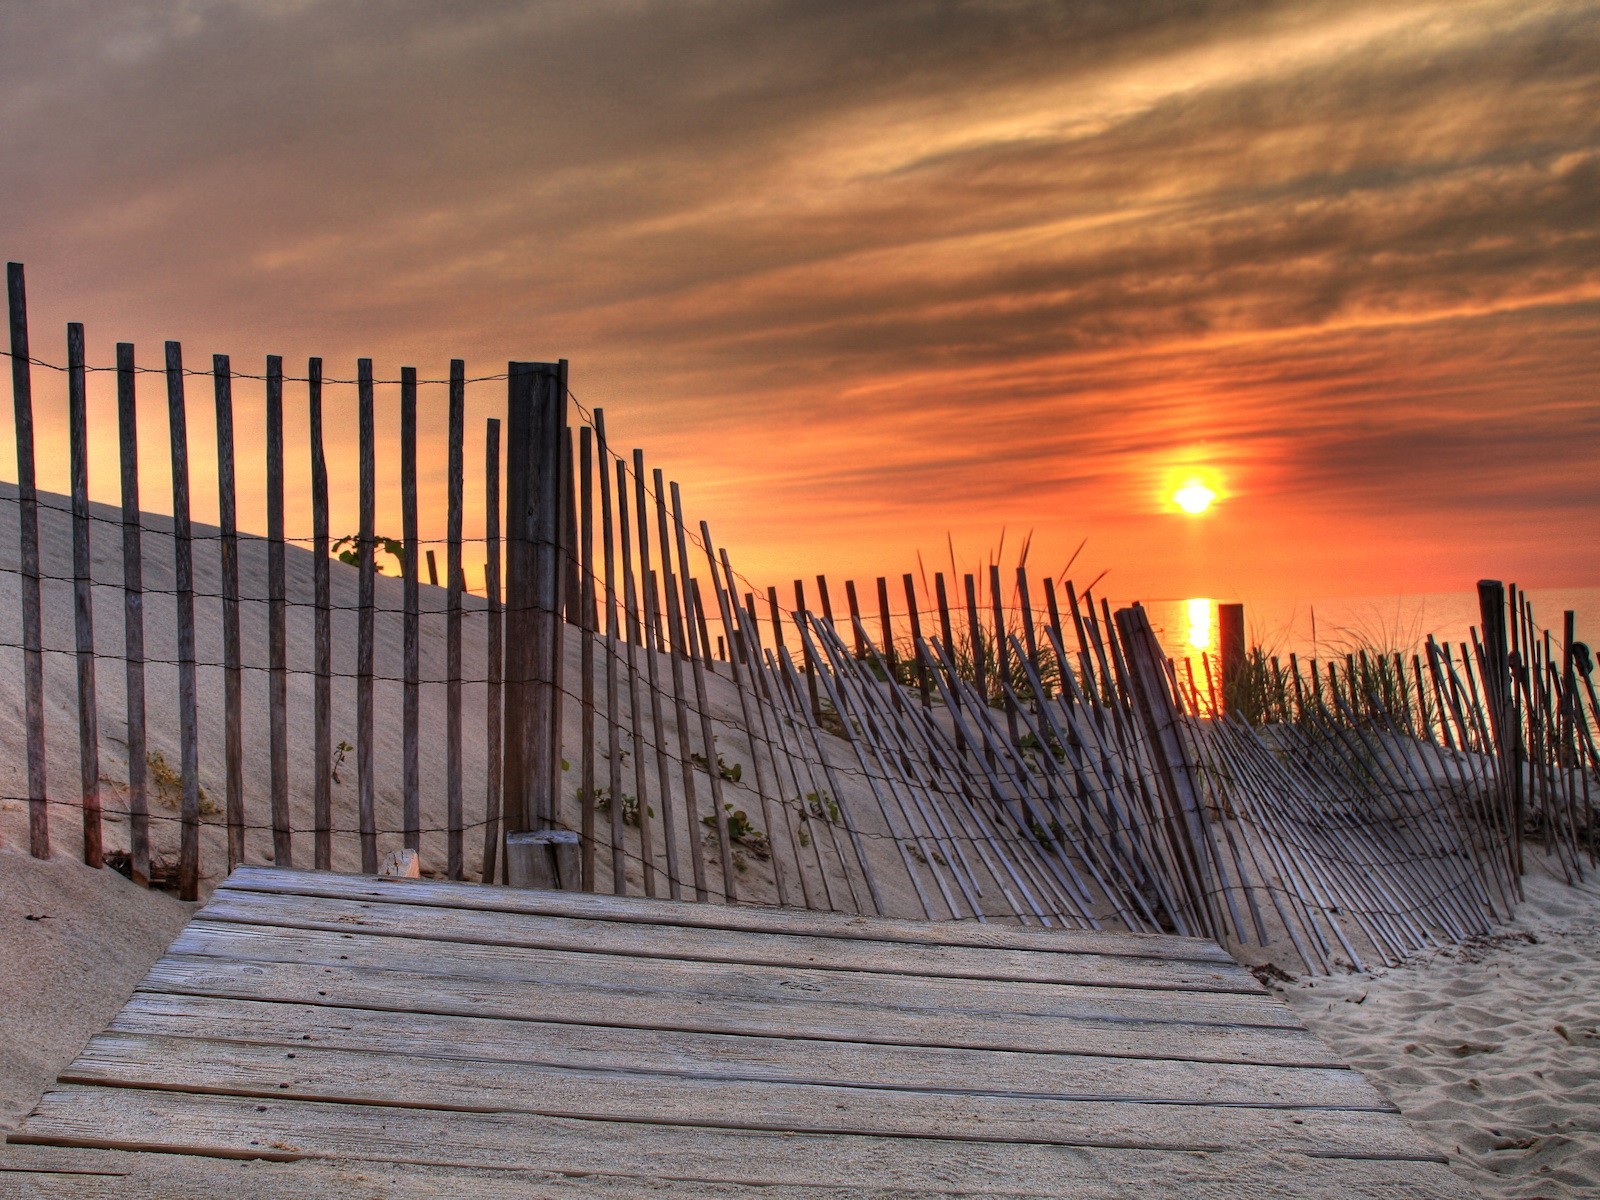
344, 1076
745, 918
83, 599
133, 616
366, 567
886, 623
493, 703
411, 620
855, 617
322, 618
614, 634
28, 536
692, 615
277, 622
232, 673
455, 807
640, 624
800, 609
183, 582
246, 1126
654, 619
915, 619
586, 608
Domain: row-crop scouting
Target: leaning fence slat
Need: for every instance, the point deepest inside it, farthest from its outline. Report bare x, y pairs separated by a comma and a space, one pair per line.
493, 703
277, 618
83, 598
613, 687
133, 616
28, 534
183, 582
366, 566
454, 806
411, 636
640, 623
322, 691
233, 683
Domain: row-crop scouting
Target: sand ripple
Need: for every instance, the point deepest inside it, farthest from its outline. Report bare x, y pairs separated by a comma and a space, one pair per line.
1491, 1050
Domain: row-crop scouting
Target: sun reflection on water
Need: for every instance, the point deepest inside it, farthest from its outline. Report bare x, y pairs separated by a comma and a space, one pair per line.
1200, 612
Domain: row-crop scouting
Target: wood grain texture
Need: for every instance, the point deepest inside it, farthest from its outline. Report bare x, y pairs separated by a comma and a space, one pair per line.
747, 919
326, 1035
290, 1129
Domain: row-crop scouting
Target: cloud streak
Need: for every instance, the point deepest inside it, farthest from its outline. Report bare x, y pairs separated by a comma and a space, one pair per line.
863, 274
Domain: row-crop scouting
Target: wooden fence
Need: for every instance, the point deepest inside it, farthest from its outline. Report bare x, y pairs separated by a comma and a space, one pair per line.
989, 749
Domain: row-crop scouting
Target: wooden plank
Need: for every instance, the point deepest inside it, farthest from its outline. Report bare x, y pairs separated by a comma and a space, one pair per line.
411, 618
732, 1056
1089, 1020
28, 536
183, 606
380, 1078
322, 684
83, 598
753, 919
704, 997
235, 1126
455, 806
277, 623
232, 673
366, 567
1196, 982
133, 618
495, 654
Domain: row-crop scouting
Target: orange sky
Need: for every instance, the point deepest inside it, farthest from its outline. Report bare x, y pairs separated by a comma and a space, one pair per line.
865, 277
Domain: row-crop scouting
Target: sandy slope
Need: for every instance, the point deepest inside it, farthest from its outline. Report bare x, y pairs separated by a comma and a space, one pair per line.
74, 942
1492, 1050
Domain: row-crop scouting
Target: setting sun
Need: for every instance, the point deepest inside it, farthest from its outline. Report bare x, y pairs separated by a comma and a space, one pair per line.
1194, 497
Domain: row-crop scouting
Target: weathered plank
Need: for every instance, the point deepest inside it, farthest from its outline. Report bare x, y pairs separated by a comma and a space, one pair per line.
383, 1078
747, 918
631, 1003
248, 1127
575, 1043
1150, 979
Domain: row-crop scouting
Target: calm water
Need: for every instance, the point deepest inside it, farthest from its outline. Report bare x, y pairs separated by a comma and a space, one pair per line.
1319, 628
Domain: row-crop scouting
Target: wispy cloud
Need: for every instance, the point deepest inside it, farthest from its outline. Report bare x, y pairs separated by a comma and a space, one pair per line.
893, 268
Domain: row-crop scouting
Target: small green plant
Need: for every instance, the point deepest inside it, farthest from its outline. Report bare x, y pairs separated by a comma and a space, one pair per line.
821, 804
732, 772
348, 550
743, 831
630, 805
340, 752
169, 784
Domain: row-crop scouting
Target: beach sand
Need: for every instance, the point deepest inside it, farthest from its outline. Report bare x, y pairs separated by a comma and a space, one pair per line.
74, 943
1491, 1049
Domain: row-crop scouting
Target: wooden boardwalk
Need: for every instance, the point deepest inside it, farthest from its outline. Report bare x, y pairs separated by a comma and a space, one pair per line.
322, 1035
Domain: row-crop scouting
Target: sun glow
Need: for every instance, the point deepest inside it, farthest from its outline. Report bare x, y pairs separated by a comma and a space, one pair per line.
1194, 497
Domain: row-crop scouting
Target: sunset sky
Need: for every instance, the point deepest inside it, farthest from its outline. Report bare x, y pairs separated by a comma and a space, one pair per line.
865, 275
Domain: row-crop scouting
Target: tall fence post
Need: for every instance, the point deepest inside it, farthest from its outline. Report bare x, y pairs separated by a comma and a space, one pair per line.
1496, 671
1231, 648
535, 436
28, 524
83, 597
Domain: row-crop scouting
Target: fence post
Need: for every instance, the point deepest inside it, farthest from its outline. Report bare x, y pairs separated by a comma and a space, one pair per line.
1496, 670
83, 597
1231, 648
28, 522
536, 436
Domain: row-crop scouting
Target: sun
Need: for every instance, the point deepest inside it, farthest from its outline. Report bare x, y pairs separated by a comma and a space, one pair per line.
1194, 497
